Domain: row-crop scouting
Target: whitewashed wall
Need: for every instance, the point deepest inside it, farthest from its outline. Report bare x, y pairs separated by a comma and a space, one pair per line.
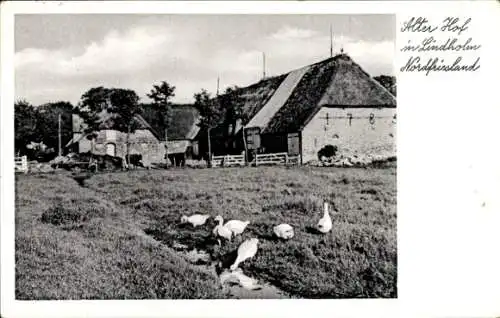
358, 137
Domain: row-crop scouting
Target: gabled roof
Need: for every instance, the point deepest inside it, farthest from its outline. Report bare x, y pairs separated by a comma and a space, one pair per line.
294, 97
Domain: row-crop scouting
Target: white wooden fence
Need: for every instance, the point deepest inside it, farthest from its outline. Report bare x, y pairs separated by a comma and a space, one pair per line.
276, 158
21, 164
228, 160
260, 159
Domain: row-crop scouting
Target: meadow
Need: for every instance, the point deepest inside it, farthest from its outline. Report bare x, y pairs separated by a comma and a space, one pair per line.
115, 236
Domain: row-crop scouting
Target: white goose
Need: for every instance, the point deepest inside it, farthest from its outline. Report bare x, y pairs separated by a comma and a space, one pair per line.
284, 231
195, 219
247, 250
325, 223
235, 226
221, 231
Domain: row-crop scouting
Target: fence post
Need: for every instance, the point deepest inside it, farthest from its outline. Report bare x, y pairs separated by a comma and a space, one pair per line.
286, 158
256, 159
25, 164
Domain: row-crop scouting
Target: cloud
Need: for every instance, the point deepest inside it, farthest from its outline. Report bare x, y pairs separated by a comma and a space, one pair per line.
290, 33
117, 53
186, 58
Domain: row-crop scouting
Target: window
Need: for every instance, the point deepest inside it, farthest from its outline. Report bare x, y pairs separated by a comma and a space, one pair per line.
111, 149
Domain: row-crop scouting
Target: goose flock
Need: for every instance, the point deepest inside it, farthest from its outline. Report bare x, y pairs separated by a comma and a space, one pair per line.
249, 247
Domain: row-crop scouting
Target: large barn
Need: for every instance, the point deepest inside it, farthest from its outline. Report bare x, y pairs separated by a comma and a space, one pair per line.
333, 102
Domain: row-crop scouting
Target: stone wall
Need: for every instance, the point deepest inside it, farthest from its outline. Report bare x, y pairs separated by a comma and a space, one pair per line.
356, 136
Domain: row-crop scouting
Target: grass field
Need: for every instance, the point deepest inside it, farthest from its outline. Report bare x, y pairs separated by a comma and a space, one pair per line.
113, 237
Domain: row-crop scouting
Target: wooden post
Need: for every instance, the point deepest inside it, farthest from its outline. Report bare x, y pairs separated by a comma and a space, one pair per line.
59, 135
209, 149
166, 147
245, 146
127, 144
24, 164
256, 154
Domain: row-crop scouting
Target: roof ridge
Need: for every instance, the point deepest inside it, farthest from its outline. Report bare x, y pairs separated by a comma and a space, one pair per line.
278, 98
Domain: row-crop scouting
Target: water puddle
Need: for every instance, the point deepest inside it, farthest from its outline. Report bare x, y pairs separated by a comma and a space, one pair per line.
235, 284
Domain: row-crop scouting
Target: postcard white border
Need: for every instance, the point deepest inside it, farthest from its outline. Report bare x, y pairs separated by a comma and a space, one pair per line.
414, 253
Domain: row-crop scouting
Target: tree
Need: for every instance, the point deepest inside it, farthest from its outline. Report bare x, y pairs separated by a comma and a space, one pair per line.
125, 103
25, 125
48, 123
91, 105
210, 113
389, 82
161, 96
232, 107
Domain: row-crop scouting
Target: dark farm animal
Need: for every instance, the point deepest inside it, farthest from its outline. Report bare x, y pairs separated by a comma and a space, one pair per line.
135, 160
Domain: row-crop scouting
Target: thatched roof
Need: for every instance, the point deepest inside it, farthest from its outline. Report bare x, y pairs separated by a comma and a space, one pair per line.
278, 98
334, 82
251, 99
108, 121
184, 124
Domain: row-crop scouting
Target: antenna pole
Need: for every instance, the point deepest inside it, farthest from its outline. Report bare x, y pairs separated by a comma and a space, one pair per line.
263, 65
217, 85
341, 43
331, 41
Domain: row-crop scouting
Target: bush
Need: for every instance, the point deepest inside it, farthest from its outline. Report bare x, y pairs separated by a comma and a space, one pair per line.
327, 151
61, 214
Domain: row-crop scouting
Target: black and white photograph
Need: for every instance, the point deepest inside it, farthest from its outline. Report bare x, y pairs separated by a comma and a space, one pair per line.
254, 158
205, 157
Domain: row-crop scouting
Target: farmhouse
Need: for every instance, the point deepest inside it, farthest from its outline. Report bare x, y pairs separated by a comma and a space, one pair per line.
145, 140
333, 102
182, 134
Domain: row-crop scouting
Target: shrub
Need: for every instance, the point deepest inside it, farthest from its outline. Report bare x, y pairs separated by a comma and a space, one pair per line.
327, 151
66, 214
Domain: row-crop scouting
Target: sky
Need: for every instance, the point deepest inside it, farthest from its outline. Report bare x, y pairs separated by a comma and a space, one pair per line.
59, 57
